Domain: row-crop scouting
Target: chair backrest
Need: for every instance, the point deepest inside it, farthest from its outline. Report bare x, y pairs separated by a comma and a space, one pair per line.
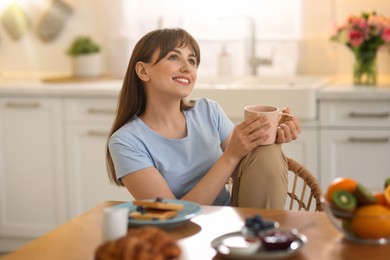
304, 188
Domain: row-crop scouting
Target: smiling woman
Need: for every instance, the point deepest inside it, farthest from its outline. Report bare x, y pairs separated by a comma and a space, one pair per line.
182, 147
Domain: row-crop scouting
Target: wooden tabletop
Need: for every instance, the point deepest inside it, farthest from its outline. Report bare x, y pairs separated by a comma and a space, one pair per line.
78, 238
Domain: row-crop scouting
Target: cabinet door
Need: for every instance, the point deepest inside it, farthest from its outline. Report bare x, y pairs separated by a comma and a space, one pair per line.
32, 194
89, 183
362, 155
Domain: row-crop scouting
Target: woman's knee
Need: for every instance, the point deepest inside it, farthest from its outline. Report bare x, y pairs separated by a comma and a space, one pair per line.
262, 178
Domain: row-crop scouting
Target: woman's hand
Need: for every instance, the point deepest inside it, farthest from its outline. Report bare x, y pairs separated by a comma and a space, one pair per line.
289, 128
246, 136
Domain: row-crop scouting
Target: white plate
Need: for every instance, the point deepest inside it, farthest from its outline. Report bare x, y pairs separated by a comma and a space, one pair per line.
189, 211
224, 251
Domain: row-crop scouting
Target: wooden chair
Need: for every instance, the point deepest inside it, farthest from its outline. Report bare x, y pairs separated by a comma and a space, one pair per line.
303, 188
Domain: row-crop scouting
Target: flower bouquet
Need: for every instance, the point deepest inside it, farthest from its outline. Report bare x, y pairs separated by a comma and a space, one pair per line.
364, 35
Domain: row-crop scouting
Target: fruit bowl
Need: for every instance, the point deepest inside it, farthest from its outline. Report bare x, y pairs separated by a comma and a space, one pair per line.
362, 227
363, 216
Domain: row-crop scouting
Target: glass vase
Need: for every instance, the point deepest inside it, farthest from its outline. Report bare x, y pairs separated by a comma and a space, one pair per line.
365, 70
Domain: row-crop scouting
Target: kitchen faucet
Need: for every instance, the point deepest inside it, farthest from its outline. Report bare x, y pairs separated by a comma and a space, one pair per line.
255, 61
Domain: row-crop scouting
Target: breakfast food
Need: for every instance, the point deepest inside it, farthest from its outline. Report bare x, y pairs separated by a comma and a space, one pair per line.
343, 202
158, 204
277, 239
371, 222
363, 195
153, 214
386, 196
256, 224
360, 212
146, 243
340, 183
387, 182
159, 209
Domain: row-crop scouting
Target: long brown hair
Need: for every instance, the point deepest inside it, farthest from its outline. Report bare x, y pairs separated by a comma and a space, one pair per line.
132, 99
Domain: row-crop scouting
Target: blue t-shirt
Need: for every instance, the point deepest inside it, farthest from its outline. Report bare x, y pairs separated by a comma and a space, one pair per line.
182, 162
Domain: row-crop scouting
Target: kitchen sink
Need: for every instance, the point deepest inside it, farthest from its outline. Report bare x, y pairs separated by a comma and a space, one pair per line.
296, 92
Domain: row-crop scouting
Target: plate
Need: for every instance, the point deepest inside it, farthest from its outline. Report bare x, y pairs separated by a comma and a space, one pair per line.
224, 251
189, 211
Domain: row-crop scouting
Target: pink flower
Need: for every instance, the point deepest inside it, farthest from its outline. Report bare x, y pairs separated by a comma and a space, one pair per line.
358, 23
356, 38
366, 31
386, 34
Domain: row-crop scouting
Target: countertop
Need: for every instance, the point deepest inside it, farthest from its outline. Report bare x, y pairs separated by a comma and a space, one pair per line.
339, 88
342, 88
104, 87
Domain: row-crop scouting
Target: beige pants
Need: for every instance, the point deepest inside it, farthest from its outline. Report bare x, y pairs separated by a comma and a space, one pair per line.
260, 179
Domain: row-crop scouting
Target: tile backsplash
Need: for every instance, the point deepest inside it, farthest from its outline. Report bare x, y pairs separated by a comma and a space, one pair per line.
293, 33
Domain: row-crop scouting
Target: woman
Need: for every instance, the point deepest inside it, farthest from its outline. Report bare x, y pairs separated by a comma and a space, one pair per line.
163, 145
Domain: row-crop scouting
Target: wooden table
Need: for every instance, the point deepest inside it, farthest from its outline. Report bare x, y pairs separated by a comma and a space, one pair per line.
78, 238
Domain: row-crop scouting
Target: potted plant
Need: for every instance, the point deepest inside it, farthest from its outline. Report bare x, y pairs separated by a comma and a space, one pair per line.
86, 57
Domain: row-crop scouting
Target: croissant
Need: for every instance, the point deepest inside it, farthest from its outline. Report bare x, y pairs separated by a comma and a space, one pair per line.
146, 243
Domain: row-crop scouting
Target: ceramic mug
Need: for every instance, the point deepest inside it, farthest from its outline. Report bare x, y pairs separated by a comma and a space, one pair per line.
115, 221
272, 113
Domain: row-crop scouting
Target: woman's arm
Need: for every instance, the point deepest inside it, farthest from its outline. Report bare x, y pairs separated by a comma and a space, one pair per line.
149, 183
146, 184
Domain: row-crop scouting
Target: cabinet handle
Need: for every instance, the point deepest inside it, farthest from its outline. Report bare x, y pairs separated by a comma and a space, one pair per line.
100, 111
368, 140
22, 105
97, 133
369, 115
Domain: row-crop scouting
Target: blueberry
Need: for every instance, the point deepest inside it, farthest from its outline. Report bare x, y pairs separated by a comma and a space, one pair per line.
258, 218
248, 222
141, 209
159, 199
257, 224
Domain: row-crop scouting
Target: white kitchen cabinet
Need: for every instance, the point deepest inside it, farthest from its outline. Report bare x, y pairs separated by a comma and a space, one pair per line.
355, 141
88, 122
32, 179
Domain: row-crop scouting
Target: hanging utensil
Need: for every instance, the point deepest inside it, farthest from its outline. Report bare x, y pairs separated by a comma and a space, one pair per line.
53, 20
15, 21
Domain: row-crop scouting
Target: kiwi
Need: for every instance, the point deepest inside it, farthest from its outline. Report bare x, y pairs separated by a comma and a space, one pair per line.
387, 182
343, 203
363, 195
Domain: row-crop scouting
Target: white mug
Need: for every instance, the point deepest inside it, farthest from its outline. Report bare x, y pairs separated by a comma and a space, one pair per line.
272, 113
115, 221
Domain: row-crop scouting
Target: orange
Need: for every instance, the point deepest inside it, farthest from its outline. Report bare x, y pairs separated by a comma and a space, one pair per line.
386, 194
340, 183
380, 198
372, 222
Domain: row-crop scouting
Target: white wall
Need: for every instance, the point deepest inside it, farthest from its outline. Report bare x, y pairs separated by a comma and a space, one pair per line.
319, 20
294, 32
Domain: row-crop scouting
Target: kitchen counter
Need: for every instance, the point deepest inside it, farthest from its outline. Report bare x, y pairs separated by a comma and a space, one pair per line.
342, 88
300, 97
301, 100
83, 88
